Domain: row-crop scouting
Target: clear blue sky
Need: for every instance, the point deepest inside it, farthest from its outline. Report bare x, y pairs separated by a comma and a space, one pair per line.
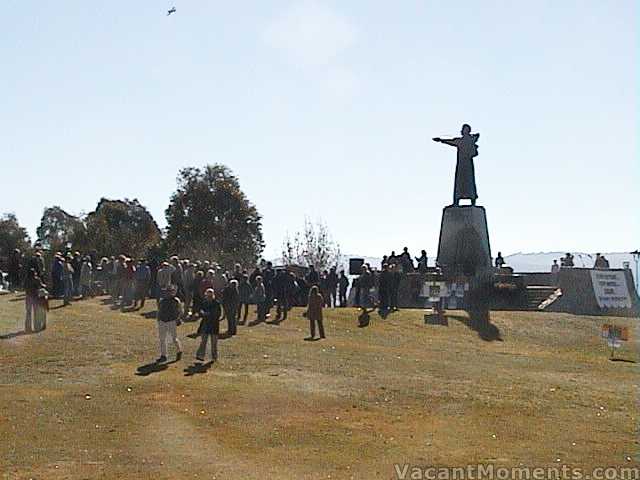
326, 109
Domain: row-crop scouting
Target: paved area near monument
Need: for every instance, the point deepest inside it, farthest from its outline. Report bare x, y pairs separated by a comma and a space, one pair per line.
539, 390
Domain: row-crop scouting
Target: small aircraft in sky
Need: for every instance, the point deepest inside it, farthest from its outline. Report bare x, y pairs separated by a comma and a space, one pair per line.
173, 10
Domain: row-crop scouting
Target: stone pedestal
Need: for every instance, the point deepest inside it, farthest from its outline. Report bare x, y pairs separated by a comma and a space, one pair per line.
464, 241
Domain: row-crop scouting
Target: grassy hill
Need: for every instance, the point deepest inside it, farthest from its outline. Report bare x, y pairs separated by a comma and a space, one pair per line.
73, 403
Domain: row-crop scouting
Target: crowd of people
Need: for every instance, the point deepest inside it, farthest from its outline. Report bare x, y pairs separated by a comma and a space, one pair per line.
183, 290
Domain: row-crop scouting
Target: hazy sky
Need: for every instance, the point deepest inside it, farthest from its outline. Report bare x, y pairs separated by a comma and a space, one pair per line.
326, 109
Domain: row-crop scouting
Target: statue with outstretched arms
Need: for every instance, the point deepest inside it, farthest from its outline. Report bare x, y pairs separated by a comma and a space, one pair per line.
465, 183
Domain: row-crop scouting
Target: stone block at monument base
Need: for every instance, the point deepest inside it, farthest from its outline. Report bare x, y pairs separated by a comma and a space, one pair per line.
464, 241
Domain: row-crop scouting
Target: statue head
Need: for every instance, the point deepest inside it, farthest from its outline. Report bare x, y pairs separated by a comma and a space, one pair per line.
466, 129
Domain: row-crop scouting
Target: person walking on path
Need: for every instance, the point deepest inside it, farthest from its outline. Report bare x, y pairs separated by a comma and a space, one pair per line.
169, 312
209, 325
314, 312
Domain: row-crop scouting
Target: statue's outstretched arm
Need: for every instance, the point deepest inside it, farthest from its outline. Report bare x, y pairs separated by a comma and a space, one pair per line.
452, 141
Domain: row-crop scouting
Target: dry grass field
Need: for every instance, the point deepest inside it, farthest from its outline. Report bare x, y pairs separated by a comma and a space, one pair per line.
74, 404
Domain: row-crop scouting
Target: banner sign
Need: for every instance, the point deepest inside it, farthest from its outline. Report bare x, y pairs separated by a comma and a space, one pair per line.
610, 289
434, 290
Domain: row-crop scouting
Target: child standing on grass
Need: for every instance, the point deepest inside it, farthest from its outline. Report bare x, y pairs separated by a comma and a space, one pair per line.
210, 311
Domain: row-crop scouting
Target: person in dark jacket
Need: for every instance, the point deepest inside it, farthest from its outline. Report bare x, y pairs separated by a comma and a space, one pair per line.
143, 282
231, 304
169, 312
210, 311
32, 286
385, 285
313, 278
314, 312
396, 277
343, 286
332, 286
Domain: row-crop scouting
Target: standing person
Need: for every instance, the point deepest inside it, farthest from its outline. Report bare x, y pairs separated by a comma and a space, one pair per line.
406, 260
237, 272
210, 312
56, 276
312, 277
365, 283
129, 284
86, 277
332, 286
260, 297
396, 278
323, 286
176, 276
314, 312
188, 276
67, 280
163, 279
555, 268
282, 290
231, 304
422, 261
219, 281
499, 260
343, 285
245, 291
255, 274
169, 312
385, 285
77, 272
143, 281
14, 269
268, 275
197, 292
42, 308
32, 286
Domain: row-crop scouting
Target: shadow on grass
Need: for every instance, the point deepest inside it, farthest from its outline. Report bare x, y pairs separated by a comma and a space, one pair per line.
58, 307
152, 314
197, 368
479, 321
623, 360
154, 367
22, 333
17, 299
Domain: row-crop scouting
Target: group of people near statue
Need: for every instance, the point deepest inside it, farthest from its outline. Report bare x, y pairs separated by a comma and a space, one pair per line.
184, 290
404, 261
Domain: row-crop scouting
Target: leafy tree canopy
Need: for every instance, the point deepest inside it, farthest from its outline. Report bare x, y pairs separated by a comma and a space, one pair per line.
12, 235
209, 217
121, 226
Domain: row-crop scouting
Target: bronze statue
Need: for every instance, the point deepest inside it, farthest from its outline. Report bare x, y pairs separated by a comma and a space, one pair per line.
465, 185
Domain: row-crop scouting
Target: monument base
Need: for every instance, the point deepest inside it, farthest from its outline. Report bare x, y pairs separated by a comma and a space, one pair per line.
464, 241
